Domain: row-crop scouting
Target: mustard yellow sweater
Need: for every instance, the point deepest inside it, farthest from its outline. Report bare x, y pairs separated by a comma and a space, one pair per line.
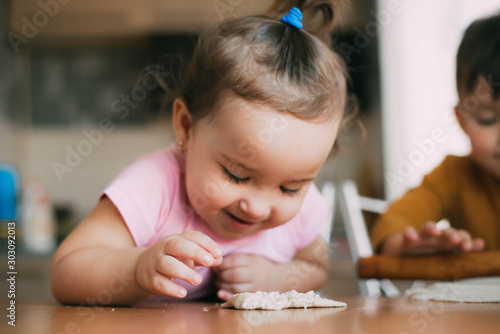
458, 190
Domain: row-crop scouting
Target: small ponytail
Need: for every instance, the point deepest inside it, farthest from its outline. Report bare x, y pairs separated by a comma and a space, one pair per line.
260, 59
319, 16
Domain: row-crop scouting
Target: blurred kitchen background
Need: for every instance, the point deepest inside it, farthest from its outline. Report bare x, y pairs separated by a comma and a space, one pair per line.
74, 110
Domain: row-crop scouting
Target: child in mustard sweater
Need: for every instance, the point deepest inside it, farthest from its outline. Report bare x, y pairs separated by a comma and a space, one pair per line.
464, 190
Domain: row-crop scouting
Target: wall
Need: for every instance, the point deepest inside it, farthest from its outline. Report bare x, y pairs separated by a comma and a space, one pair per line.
10, 143
46, 150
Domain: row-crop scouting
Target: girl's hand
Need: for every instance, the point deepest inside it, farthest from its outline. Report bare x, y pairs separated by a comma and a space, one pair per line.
175, 256
432, 240
246, 273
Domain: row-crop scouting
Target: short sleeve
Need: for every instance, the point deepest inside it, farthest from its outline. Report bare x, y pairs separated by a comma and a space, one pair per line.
142, 194
311, 218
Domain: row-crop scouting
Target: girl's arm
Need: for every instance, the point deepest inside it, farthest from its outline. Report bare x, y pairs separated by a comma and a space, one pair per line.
308, 270
98, 262
250, 273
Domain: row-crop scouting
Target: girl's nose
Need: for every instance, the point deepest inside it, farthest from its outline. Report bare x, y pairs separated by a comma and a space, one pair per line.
255, 208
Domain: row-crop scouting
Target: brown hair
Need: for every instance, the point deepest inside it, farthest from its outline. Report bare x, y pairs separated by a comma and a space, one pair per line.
479, 56
263, 60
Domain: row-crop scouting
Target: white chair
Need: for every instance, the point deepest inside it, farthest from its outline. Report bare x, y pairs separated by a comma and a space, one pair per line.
351, 206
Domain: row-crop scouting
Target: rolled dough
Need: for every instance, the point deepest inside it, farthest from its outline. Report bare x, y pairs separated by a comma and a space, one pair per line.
276, 301
483, 290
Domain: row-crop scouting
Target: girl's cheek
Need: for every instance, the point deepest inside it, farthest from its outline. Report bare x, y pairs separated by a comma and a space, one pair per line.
221, 196
286, 210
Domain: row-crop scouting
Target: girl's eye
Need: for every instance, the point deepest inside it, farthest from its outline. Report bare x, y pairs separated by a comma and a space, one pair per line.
234, 178
289, 192
487, 121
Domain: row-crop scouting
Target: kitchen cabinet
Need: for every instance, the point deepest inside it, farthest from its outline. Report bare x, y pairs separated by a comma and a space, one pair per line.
47, 19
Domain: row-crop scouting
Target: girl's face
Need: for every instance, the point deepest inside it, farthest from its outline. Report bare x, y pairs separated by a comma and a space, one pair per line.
481, 122
249, 168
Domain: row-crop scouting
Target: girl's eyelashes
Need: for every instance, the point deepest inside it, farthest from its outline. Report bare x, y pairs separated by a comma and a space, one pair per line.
231, 177
234, 178
289, 192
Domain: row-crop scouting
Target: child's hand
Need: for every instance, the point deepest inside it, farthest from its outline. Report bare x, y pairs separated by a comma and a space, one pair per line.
245, 273
175, 256
432, 240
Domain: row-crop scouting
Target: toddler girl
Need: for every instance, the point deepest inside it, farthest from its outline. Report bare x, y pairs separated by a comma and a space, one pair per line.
256, 117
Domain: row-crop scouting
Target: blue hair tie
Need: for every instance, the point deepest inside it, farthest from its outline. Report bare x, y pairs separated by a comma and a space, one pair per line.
293, 18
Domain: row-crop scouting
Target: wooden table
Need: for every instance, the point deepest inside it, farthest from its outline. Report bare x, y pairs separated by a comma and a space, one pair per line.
362, 315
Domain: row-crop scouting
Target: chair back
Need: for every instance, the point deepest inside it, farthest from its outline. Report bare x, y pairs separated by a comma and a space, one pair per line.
352, 206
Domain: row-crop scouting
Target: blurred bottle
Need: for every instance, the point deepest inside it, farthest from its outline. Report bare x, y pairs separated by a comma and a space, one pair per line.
9, 187
37, 223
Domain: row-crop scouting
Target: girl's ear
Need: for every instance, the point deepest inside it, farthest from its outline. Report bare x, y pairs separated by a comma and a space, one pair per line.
182, 123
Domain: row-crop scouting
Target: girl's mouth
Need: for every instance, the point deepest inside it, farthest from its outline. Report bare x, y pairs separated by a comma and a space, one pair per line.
239, 223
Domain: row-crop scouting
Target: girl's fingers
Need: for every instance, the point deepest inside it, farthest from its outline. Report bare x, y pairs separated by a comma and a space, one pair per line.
188, 262
224, 295
235, 275
181, 247
165, 286
172, 267
205, 242
217, 262
234, 288
234, 261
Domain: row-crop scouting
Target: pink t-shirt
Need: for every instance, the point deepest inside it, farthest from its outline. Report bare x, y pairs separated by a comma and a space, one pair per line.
151, 197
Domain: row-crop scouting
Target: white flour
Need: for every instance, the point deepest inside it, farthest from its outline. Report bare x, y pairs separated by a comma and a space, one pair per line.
482, 290
276, 301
